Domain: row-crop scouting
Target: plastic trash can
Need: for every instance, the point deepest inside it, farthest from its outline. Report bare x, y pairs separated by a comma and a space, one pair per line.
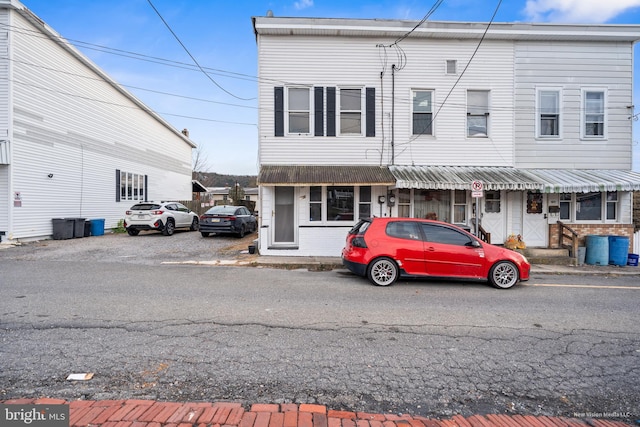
78, 227
87, 228
63, 228
618, 250
632, 260
97, 227
597, 250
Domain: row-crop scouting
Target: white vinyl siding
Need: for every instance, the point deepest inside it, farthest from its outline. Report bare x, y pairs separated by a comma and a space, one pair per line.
359, 67
574, 67
93, 131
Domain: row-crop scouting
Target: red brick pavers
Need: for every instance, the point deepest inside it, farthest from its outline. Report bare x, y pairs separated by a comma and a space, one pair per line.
149, 413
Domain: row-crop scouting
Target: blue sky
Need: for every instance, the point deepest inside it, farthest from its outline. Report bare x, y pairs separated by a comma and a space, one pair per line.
128, 40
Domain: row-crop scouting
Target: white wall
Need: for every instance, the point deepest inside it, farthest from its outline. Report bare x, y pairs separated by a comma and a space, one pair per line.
70, 123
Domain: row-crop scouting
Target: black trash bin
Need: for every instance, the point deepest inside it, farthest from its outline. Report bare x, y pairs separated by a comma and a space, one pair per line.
63, 228
78, 226
87, 228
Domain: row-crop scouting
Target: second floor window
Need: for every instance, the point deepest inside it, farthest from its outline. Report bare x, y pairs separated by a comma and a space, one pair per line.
549, 113
477, 113
422, 112
298, 110
593, 114
350, 111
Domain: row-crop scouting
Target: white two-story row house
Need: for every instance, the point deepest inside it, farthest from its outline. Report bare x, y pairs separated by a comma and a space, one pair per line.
364, 118
73, 142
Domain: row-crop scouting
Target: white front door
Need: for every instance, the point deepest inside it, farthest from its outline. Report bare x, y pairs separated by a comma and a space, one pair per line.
284, 224
535, 231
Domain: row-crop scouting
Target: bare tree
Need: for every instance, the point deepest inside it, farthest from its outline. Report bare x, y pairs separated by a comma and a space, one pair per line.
200, 164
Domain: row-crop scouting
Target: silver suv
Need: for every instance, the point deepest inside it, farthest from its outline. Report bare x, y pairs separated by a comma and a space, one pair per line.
162, 216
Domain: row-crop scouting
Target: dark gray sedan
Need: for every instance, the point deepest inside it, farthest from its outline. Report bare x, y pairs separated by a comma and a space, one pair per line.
228, 220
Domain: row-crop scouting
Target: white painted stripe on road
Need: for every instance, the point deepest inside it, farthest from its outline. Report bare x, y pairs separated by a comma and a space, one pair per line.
559, 285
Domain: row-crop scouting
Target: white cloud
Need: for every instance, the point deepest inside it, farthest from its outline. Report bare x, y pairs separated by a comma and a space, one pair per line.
577, 11
303, 4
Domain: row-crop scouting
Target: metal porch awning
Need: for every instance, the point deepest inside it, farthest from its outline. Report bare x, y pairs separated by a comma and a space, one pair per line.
461, 177
293, 175
585, 180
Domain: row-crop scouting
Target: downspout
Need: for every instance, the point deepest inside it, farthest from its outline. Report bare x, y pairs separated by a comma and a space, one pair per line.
393, 112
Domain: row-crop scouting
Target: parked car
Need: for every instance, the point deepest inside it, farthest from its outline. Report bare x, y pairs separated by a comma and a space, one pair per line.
225, 219
383, 249
163, 216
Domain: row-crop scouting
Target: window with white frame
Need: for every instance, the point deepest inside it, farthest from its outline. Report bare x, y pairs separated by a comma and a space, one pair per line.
565, 206
612, 205
132, 186
404, 202
298, 110
478, 113
594, 113
460, 207
589, 206
350, 111
422, 112
492, 201
315, 203
548, 113
364, 205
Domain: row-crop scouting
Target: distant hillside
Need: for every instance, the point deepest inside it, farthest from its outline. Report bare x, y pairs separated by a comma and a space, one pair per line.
212, 179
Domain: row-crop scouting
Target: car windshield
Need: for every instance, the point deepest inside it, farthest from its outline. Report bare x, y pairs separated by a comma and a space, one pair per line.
222, 210
145, 207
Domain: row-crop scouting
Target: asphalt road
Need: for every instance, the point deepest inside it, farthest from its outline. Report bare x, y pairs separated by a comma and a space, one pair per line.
191, 333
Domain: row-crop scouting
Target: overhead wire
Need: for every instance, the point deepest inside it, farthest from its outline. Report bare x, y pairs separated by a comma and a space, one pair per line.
192, 57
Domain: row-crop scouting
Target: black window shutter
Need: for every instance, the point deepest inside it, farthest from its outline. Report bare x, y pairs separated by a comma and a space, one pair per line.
318, 102
117, 185
278, 95
331, 111
146, 195
371, 111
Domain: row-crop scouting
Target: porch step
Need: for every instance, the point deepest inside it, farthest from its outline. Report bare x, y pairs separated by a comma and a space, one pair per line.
545, 256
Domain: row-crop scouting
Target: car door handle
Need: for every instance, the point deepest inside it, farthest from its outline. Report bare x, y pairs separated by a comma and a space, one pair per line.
431, 249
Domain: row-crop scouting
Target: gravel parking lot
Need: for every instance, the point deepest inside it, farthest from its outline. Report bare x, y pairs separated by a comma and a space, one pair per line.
148, 248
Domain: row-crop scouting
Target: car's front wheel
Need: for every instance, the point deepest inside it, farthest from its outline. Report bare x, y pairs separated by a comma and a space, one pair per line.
133, 231
195, 224
383, 272
504, 275
169, 228
204, 234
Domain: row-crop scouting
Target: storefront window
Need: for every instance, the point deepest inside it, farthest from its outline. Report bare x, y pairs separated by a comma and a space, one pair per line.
340, 203
588, 206
432, 204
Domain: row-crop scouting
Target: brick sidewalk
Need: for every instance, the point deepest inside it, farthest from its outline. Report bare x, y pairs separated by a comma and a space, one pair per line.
149, 413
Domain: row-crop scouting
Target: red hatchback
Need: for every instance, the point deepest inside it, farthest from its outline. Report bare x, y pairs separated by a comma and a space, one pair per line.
383, 249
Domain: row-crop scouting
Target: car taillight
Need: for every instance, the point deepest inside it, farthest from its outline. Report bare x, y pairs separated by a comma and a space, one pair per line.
231, 218
158, 212
128, 213
358, 242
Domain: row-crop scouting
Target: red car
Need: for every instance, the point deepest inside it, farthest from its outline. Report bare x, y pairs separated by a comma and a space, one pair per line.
383, 249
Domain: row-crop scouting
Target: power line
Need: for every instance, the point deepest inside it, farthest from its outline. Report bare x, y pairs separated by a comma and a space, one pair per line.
192, 57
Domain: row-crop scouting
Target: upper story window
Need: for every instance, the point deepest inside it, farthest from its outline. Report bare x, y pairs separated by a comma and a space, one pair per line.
350, 111
548, 121
422, 112
594, 117
478, 113
298, 110
451, 66
131, 186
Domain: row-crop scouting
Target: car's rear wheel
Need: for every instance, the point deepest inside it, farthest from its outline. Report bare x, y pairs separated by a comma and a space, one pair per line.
169, 228
204, 234
195, 224
242, 231
383, 272
133, 231
503, 275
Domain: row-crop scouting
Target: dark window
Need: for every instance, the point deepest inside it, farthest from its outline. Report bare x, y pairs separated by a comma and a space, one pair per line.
440, 234
340, 203
315, 203
403, 230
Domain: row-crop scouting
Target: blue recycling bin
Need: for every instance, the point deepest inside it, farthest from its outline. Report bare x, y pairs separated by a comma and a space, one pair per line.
618, 250
597, 250
97, 227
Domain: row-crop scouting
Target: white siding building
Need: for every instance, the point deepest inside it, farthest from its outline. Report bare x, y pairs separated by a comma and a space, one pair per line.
374, 117
73, 143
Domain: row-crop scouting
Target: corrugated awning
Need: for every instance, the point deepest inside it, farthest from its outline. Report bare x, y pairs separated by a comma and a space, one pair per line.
328, 175
461, 177
585, 180
506, 178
